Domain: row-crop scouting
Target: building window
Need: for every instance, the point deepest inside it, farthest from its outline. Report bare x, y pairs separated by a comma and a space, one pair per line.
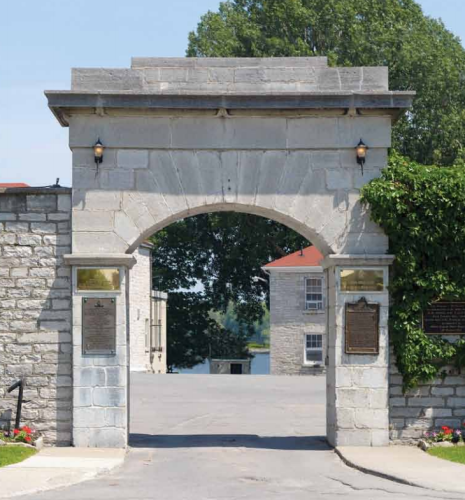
313, 348
314, 294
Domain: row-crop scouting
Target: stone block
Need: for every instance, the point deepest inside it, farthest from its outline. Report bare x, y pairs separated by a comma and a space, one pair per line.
7, 239
107, 438
442, 391
12, 203
82, 397
115, 376
89, 417
426, 402
58, 217
115, 179
132, 158
64, 202
116, 417
89, 377
41, 203
43, 337
131, 132
109, 396
17, 227
84, 220
101, 242
102, 79
17, 251
312, 133
371, 419
455, 423
43, 227
85, 178
32, 217
29, 239
456, 402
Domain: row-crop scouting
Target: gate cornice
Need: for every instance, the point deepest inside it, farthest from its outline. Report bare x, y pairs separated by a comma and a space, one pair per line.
64, 103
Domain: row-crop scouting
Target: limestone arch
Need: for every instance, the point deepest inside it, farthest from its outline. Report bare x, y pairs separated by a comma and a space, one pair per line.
310, 234
186, 136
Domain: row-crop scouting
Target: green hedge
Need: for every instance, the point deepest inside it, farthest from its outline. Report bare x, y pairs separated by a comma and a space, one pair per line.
422, 211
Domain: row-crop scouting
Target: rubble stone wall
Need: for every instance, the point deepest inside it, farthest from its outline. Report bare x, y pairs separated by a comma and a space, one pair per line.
35, 310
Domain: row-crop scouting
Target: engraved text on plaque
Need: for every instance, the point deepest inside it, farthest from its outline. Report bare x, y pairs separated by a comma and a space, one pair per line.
362, 328
445, 318
98, 325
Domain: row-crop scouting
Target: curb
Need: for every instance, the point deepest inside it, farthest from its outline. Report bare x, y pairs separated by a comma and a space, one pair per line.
382, 475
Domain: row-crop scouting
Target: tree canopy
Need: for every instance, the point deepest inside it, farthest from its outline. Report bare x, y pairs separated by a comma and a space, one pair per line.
206, 263
421, 54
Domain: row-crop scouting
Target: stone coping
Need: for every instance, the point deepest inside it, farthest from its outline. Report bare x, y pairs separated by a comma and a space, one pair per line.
36, 190
228, 62
103, 259
63, 102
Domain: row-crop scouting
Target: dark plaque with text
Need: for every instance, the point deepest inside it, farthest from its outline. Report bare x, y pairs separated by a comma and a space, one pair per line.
362, 328
98, 326
444, 318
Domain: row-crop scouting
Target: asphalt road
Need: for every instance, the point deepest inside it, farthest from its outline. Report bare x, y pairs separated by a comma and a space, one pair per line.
226, 437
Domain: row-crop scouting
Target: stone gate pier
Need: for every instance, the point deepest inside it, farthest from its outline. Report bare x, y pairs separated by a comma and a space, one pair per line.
271, 137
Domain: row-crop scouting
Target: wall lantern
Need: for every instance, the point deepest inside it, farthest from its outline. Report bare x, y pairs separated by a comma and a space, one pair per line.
98, 152
361, 153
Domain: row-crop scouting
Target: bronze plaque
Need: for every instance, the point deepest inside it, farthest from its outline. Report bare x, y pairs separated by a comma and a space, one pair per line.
102, 279
362, 280
362, 327
444, 318
98, 326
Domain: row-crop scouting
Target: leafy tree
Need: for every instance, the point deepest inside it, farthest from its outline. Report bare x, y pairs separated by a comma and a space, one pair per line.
193, 335
218, 254
229, 320
421, 54
222, 252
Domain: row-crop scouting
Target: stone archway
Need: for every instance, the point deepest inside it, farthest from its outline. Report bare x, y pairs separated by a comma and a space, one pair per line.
272, 137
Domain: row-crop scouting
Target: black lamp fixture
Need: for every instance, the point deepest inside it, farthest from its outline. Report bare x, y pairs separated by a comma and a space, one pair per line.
98, 152
361, 150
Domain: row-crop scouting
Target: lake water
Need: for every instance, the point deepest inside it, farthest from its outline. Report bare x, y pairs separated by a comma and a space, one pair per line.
260, 365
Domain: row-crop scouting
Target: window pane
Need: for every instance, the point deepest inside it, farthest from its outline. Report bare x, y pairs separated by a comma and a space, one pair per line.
314, 341
314, 355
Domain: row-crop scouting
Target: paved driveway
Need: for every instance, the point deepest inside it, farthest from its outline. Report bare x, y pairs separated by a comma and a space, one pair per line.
226, 437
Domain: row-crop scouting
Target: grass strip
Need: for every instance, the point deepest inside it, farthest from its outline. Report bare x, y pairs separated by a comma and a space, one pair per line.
14, 454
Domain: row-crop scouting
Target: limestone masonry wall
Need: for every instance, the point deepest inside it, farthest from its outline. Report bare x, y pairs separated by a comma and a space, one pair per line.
289, 322
35, 312
429, 406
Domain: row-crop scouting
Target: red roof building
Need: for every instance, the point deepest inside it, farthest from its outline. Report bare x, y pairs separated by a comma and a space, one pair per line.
308, 257
13, 185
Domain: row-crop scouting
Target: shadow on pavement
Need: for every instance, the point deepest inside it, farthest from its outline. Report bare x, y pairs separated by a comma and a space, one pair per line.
316, 443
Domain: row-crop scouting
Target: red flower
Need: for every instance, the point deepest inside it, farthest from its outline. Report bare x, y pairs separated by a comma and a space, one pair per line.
16, 432
28, 439
27, 429
446, 430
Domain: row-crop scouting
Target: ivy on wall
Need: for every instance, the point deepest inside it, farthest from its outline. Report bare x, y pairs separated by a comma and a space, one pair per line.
422, 211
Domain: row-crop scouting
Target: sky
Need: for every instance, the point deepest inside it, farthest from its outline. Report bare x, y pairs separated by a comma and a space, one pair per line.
41, 40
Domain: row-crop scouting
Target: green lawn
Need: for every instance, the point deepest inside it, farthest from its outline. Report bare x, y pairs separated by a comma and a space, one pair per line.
14, 454
452, 454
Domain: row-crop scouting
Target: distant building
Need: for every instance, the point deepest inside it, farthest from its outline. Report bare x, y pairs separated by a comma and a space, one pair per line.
13, 185
230, 366
298, 338
147, 316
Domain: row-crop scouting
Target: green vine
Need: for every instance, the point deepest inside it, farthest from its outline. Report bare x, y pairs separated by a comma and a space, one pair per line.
422, 211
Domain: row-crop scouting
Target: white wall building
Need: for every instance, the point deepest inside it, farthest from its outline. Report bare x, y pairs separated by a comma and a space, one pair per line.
298, 336
147, 316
